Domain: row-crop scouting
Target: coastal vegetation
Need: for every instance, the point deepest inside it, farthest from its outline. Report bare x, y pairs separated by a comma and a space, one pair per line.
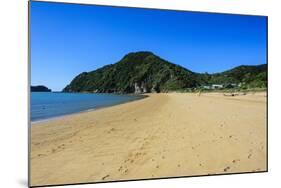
145, 72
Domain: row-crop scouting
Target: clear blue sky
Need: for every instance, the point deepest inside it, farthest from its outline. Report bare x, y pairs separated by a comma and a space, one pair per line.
67, 39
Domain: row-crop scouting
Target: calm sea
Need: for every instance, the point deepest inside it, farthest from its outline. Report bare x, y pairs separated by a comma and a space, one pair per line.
46, 105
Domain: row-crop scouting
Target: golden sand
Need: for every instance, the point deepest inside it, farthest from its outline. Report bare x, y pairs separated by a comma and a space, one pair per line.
163, 135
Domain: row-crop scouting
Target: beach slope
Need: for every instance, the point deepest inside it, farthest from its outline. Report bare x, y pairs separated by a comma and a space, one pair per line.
163, 135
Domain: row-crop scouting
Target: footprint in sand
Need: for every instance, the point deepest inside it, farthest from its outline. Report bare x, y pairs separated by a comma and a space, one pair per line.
138, 154
120, 168
36, 144
110, 130
235, 160
226, 169
103, 178
123, 169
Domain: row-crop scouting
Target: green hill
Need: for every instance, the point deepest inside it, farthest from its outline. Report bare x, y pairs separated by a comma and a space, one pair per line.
247, 76
39, 88
145, 72
141, 71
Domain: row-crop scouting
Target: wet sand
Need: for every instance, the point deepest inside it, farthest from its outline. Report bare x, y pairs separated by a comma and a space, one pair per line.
163, 135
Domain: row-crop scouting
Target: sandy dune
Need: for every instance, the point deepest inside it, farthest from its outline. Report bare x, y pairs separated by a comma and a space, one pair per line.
163, 135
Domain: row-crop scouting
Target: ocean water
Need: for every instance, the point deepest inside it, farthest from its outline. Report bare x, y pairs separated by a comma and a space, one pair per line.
46, 105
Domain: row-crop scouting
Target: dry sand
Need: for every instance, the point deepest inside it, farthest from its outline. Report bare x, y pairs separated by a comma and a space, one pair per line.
164, 135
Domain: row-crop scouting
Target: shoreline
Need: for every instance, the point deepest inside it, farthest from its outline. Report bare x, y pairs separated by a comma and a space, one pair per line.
142, 96
165, 135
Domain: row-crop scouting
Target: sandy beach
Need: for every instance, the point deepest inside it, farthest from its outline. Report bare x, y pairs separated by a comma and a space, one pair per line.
163, 135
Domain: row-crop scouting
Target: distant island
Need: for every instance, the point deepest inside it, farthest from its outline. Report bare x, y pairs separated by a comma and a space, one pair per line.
145, 72
40, 88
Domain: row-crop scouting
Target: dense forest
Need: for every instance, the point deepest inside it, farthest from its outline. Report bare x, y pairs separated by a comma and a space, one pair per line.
143, 72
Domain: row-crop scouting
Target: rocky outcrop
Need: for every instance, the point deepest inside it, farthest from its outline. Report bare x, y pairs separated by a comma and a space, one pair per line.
140, 88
